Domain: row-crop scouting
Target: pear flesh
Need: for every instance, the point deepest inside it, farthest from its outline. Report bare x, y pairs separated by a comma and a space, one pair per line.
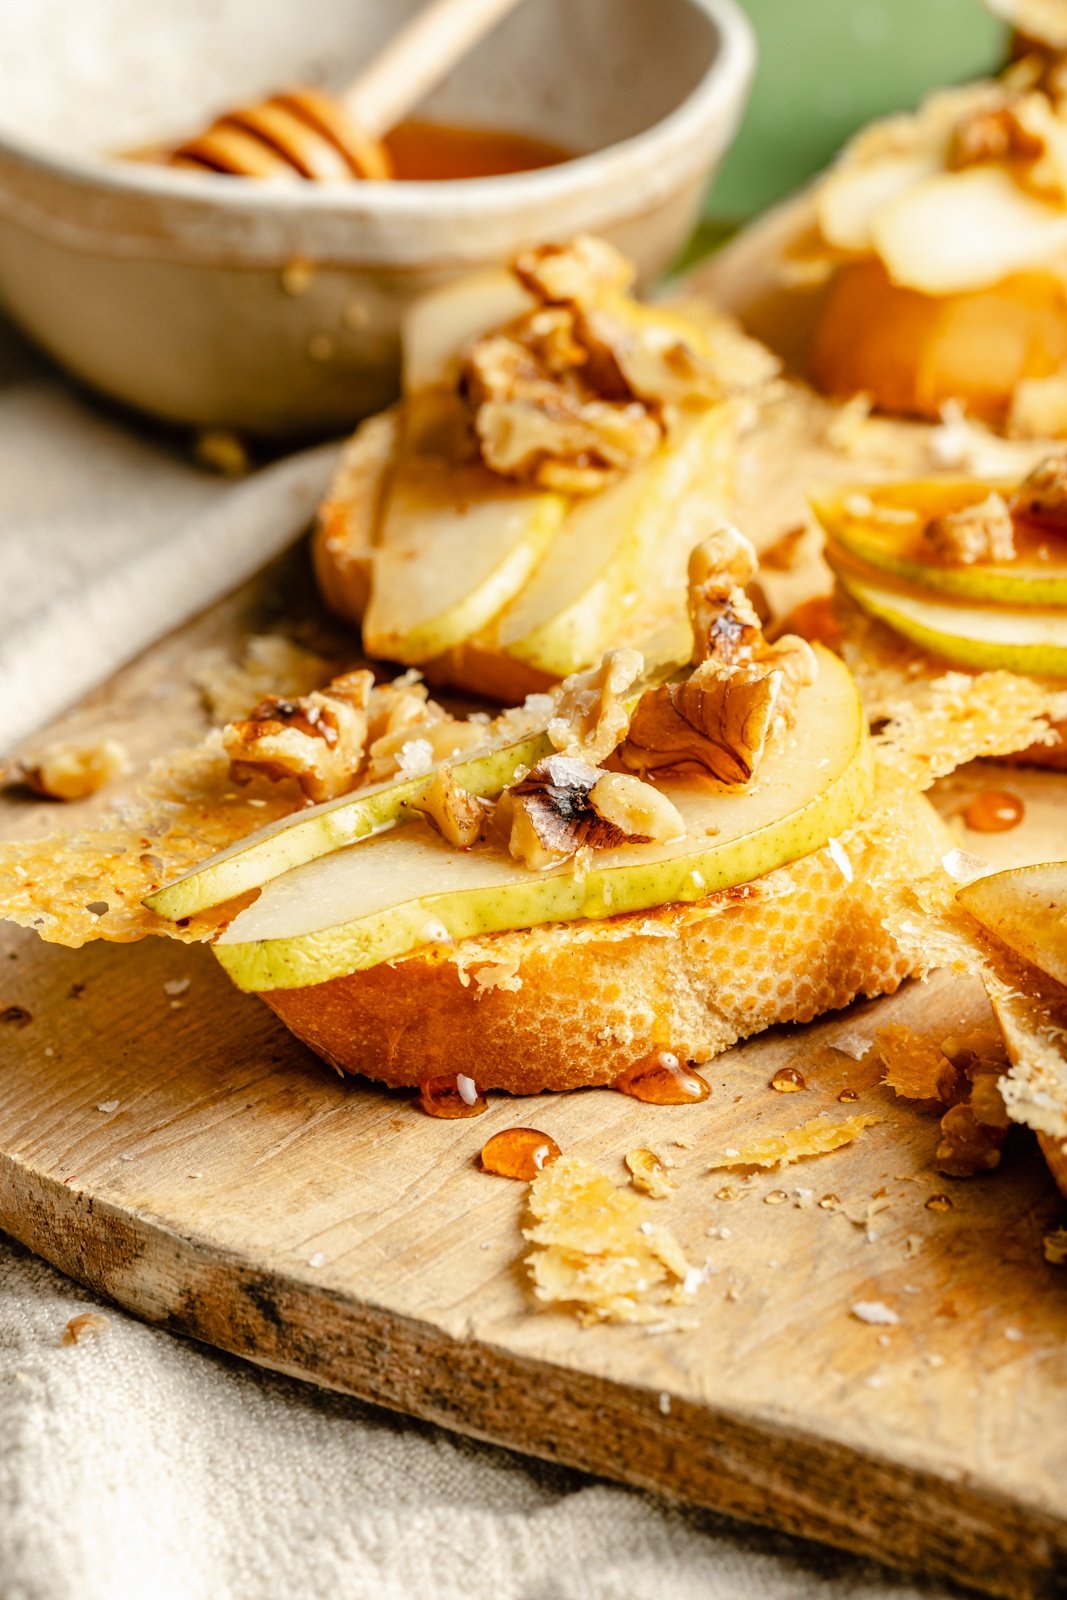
389, 896
598, 565
1026, 909
292, 841
1031, 640
456, 545
883, 527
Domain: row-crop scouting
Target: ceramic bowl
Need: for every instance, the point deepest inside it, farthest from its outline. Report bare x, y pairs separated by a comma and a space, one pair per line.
274, 307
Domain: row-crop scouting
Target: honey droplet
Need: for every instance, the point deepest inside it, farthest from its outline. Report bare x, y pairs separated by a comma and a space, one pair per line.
777, 1197
994, 811
939, 1202
726, 1193
847, 1095
452, 1096
829, 1202
519, 1153
660, 1080
788, 1080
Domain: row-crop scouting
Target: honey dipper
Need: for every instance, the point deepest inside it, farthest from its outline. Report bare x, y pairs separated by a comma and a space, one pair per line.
307, 133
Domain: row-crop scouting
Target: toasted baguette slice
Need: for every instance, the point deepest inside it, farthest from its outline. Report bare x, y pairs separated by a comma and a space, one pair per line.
571, 1006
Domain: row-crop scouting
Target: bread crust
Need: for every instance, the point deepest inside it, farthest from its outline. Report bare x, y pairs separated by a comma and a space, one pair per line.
572, 1005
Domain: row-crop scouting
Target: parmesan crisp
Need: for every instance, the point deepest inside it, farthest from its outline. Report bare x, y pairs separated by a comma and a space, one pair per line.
817, 1137
593, 1251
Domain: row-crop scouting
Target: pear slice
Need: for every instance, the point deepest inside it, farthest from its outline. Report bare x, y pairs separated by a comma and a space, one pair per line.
1026, 909
292, 841
439, 324
849, 198
882, 525
456, 544
966, 230
600, 563
1032, 640
391, 895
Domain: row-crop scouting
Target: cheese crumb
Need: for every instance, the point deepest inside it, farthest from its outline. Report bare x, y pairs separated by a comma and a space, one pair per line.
875, 1312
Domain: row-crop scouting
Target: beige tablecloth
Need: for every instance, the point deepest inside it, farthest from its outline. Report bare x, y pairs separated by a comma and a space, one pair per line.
137, 1465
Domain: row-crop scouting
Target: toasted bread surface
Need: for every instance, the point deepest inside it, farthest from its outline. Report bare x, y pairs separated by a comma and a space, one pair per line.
571, 1006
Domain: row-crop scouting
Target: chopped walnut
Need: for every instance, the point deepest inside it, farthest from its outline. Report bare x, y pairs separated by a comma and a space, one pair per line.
584, 386
590, 719
640, 356
721, 717
982, 532
1042, 497
975, 1126
456, 814
564, 804
577, 273
725, 625
73, 771
637, 809
533, 425
319, 738
992, 133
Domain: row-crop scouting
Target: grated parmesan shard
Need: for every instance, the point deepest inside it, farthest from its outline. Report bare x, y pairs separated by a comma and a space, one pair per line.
914, 1064
817, 1137
593, 1251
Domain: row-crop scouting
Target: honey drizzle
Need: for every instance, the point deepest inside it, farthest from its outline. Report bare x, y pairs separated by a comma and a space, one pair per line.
994, 811
452, 1096
519, 1153
788, 1080
659, 1079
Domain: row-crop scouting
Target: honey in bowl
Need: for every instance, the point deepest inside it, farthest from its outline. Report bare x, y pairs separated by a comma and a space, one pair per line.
443, 151
440, 152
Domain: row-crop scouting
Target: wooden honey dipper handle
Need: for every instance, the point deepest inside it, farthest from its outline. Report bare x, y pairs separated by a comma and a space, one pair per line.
423, 53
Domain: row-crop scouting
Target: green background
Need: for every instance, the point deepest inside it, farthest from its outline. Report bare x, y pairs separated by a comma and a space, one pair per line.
826, 66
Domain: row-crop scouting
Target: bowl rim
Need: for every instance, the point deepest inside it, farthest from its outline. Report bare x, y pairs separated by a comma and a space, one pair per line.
720, 91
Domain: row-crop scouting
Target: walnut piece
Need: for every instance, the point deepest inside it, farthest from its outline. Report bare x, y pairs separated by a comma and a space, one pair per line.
982, 532
721, 717
1042, 497
66, 771
992, 133
576, 273
585, 386
455, 813
590, 719
724, 621
564, 805
637, 809
319, 738
975, 1126
540, 427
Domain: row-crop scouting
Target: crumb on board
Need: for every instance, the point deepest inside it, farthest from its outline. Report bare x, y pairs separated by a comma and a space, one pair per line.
593, 1250
914, 1063
875, 1312
69, 770
648, 1174
86, 1325
815, 1137
1054, 1245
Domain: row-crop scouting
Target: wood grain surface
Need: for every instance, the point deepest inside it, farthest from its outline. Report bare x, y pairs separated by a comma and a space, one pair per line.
240, 1193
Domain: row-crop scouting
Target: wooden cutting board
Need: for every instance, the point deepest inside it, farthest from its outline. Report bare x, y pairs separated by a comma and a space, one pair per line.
182, 1155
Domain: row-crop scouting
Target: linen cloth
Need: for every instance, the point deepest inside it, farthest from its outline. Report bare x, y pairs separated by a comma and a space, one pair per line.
137, 1466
